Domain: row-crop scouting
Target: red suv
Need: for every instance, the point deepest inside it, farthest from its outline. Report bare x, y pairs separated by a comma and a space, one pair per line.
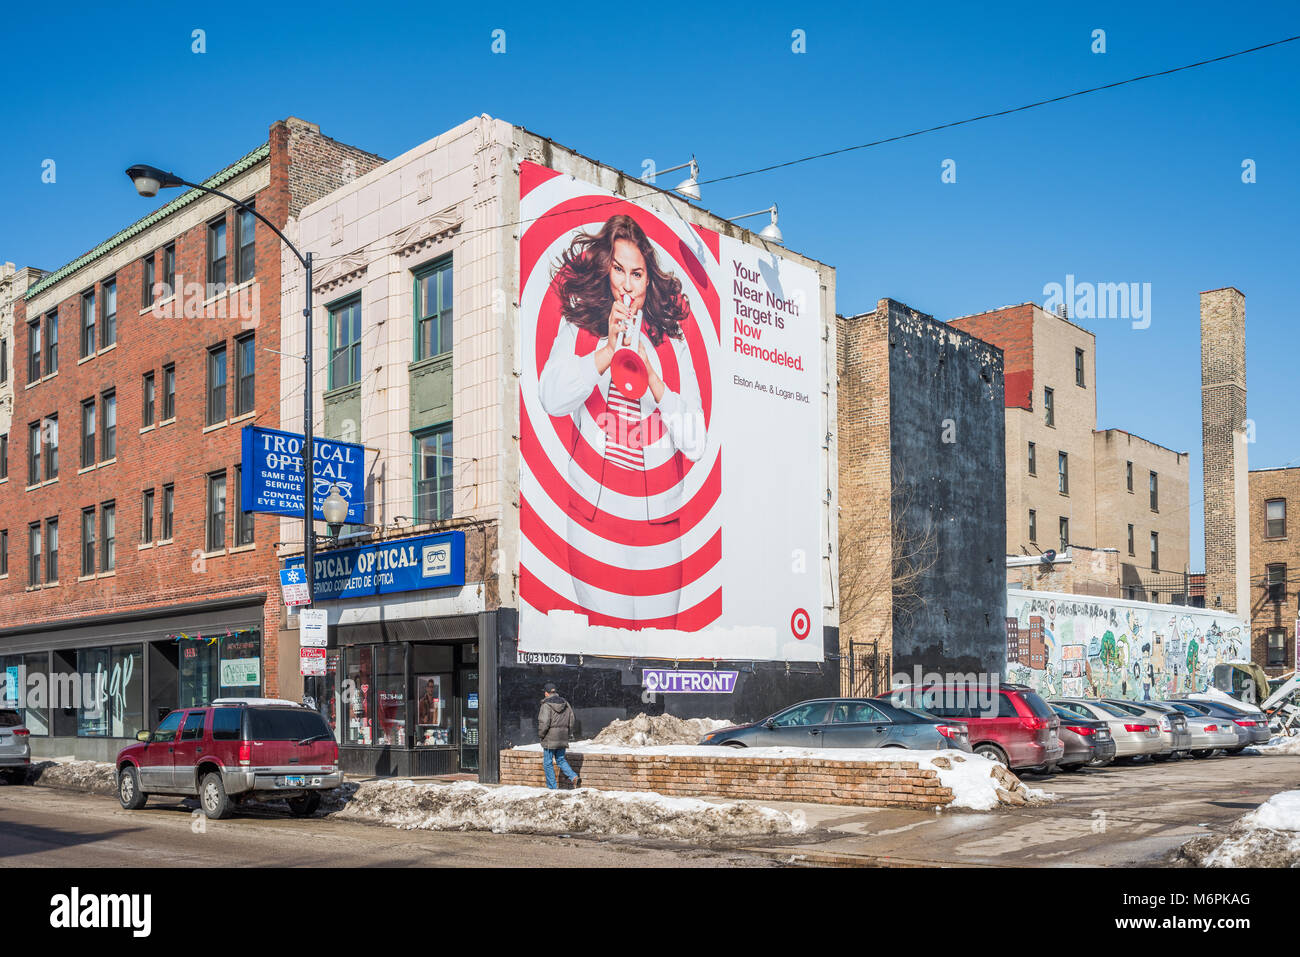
233, 750
1009, 724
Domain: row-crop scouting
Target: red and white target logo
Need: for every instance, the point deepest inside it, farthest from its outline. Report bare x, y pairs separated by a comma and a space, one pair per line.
800, 624
619, 496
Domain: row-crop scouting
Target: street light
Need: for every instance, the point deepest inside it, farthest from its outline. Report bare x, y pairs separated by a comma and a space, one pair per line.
148, 180
771, 231
335, 511
689, 187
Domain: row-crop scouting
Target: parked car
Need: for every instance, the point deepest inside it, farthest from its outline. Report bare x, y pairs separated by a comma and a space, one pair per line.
233, 750
1134, 736
15, 746
1087, 742
1007, 723
845, 723
1207, 734
1229, 719
1254, 721
1173, 726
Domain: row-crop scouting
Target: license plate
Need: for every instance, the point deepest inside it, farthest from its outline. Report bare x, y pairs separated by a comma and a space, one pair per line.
294, 780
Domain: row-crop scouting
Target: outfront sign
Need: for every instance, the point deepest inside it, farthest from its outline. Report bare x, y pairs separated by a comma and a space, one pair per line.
404, 564
671, 681
272, 473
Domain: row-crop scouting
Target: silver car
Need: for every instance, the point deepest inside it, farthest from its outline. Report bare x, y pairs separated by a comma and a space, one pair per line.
1134, 736
1173, 725
1219, 732
15, 746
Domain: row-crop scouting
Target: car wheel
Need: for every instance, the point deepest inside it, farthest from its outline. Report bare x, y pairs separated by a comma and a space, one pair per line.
16, 776
213, 798
1235, 750
306, 805
993, 753
732, 744
1071, 767
1205, 753
1162, 757
128, 789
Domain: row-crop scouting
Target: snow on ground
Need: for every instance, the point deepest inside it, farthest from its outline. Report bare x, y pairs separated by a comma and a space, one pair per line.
645, 730
976, 782
465, 806
1268, 836
97, 777
1279, 744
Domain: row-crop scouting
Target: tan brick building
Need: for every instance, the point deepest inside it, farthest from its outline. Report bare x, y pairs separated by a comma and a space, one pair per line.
1274, 567
1067, 481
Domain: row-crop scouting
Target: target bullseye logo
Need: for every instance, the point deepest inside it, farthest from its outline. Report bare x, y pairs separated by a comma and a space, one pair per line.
800, 624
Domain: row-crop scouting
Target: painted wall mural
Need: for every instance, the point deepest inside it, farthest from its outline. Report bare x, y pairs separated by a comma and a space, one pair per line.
1085, 646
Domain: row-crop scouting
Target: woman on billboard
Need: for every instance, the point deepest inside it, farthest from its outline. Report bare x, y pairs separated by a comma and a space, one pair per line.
622, 322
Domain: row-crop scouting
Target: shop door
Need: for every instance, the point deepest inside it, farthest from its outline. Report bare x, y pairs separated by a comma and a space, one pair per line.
469, 719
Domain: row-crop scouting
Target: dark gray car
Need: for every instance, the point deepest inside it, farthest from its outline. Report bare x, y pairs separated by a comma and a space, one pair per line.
1087, 742
1256, 728
845, 723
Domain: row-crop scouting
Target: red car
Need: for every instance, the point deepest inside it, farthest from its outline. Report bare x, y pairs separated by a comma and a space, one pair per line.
1008, 723
233, 750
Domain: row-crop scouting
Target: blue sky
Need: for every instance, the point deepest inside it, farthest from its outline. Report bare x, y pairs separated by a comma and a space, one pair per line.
1138, 184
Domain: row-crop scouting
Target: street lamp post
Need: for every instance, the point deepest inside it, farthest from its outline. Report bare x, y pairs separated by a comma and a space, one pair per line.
148, 180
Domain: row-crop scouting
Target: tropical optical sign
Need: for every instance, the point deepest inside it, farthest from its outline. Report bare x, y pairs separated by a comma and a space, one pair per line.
405, 564
272, 473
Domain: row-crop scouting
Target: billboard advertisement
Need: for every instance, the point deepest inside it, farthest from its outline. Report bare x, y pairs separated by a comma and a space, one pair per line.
671, 435
272, 473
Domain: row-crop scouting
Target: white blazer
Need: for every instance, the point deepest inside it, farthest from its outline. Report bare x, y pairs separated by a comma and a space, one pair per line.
566, 382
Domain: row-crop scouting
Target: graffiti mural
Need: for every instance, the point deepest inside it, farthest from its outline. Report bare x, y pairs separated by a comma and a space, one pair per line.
1085, 646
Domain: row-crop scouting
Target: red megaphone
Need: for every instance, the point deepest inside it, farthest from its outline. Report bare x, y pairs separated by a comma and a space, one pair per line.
627, 371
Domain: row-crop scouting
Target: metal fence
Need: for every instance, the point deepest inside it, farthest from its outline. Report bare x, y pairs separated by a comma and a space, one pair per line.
865, 670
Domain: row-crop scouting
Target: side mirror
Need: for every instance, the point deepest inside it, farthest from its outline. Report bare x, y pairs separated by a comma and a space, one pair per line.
770, 723
143, 735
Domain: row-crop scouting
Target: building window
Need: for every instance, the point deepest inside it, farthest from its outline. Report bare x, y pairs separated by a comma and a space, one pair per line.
34, 553
88, 324
51, 549
216, 525
34, 453
243, 520
146, 517
1275, 518
1277, 584
1033, 525
52, 447
1155, 550
168, 511
4, 360
1131, 543
33, 350
1049, 406
169, 393
1063, 473
1033, 459
433, 301
52, 343
216, 256
1078, 368
4, 456
147, 400
108, 537
108, 294
433, 484
4, 552
216, 385
1065, 533
108, 443
1128, 475
148, 267
245, 368
169, 271
1276, 647
1154, 485
345, 343
87, 433
87, 542
246, 234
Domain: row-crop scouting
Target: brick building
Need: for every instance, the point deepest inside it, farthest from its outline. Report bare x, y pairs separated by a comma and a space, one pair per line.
1069, 482
132, 570
921, 568
1274, 567
13, 285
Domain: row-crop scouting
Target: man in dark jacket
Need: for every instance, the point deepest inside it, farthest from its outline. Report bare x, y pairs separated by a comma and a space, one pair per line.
554, 722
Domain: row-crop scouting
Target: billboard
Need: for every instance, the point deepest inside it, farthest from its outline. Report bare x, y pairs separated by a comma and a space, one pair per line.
272, 473
671, 435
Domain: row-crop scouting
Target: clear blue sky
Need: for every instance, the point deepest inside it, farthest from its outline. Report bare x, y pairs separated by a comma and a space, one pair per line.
1139, 184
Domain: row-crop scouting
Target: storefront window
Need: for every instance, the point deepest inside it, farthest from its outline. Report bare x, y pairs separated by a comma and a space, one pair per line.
390, 716
36, 707
111, 686
92, 716
241, 665
358, 692
198, 666
434, 711
230, 667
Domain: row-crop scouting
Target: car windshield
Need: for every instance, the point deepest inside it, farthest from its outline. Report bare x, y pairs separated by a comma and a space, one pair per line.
1110, 709
285, 724
10, 719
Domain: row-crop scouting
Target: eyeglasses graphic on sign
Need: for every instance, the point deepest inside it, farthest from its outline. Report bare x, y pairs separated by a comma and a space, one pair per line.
436, 560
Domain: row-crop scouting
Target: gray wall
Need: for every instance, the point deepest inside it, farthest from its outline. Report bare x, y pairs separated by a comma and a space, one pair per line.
947, 429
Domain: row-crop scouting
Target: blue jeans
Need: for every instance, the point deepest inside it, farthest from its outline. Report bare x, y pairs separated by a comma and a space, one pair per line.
550, 756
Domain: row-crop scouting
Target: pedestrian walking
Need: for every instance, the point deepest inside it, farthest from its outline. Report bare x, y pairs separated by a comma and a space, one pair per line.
554, 722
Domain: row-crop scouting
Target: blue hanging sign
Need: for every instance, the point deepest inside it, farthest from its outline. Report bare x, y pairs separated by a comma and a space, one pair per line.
403, 564
272, 473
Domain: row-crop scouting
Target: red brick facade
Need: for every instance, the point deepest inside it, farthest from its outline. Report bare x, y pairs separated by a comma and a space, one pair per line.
1011, 330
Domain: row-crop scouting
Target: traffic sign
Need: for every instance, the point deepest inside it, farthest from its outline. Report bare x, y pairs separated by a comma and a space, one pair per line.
293, 586
313, 628
311, 662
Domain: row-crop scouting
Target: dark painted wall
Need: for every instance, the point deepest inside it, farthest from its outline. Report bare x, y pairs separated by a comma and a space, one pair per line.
947, 428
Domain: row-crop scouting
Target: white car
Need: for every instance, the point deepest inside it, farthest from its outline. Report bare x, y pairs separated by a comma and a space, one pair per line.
15, 746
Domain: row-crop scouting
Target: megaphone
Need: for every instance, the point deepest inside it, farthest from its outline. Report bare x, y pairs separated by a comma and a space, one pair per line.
627, 371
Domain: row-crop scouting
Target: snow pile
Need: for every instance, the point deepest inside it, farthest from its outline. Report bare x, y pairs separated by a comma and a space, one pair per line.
1268, 836
1278, 745
97, 777
976, 782
465, 806
646, 730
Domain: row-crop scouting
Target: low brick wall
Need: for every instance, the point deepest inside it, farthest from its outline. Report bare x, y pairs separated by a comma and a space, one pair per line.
857, 783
